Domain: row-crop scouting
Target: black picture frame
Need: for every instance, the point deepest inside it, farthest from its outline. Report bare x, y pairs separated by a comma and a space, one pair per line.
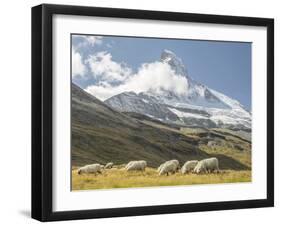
42, 106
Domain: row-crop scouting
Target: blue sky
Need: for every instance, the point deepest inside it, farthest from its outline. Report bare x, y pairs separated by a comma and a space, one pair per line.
223, 66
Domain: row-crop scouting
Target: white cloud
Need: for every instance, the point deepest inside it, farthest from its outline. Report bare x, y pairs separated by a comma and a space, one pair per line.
93, 40
103, 67
154, 76
88, 40
157, 76
78, 68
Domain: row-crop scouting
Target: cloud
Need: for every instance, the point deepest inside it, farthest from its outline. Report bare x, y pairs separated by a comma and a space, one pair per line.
78, 68
82, 41
104, 68
92, 40
156, 76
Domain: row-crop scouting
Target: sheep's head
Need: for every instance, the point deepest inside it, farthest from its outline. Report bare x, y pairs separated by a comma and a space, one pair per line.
79, 171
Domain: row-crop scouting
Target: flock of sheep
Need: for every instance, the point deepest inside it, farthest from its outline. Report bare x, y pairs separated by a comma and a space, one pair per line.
208, 165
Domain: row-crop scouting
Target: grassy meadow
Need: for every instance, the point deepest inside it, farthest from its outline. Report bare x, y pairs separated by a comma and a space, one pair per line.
120, 178
234, 155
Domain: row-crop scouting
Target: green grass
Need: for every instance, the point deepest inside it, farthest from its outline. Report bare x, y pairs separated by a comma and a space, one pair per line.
120, 178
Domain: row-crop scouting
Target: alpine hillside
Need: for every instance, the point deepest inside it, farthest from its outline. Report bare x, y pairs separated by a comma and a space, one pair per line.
102, 134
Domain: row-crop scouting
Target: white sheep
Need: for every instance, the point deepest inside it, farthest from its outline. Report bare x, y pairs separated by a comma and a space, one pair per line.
174, 160
207, 166
169, 167
109, 165
93, 168
131, 163
136, 165
189, 166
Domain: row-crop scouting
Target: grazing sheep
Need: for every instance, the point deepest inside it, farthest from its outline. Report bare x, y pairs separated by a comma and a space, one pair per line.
174, 160
207, 166
212, 165
109, 165
93, 168
136, 165
131, 163
188, 166
169, 167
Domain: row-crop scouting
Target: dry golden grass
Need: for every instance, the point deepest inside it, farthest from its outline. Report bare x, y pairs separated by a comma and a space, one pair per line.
119, 178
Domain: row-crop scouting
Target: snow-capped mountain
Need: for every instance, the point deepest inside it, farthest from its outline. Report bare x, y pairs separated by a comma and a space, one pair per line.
198, 106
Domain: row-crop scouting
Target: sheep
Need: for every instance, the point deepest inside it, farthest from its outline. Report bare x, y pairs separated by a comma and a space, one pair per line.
93, 168
189, 166
109, 165
212, 165
207, 166
131, 163
174, 160
136, 165
169, 167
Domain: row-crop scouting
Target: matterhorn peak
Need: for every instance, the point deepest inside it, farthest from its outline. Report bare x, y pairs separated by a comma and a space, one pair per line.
175, 62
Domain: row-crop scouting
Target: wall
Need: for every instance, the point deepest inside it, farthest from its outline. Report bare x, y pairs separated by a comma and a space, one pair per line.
15, 111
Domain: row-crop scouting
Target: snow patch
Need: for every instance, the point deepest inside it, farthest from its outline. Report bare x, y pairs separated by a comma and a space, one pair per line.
182, 114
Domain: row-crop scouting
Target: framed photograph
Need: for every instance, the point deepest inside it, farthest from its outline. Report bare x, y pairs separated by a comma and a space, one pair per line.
146, 112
